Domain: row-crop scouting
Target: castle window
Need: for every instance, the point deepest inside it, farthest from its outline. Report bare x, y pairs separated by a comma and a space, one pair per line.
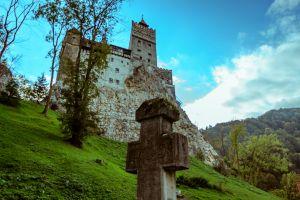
111, 59
148, 60
118, 82
121, 61
149, 54
117, 70
139, 50
111, 80
141, 57
139, 42
127, 63
149, 44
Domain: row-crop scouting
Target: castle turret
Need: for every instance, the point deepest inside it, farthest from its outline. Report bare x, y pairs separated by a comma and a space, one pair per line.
143, 44
69, 50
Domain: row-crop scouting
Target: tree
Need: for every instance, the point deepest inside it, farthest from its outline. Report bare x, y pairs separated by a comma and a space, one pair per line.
289, 186
236, 132
40, 89
11, 22
262, 156
93, 19
10, 96
57, 16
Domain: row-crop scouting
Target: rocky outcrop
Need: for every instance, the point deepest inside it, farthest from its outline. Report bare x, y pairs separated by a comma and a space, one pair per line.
117, 109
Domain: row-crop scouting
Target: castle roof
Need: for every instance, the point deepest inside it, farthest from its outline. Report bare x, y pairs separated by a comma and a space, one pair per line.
143, 23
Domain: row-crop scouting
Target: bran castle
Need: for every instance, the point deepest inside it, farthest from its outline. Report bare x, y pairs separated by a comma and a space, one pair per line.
131, 77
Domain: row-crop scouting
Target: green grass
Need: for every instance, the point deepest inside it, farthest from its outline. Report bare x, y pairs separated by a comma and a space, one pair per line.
36, 163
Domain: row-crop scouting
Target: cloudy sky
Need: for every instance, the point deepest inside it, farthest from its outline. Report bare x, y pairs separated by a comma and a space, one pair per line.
230, 59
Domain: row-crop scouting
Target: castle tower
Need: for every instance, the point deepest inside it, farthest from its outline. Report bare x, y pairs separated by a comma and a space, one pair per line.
143, 44
69, 50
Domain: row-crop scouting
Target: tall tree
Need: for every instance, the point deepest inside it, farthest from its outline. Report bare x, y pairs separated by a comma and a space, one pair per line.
11, 22
58, 18
236, 132
93, 19
260, 156
40, 89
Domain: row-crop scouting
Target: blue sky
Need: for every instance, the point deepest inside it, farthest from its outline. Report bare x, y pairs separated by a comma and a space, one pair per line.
224, 54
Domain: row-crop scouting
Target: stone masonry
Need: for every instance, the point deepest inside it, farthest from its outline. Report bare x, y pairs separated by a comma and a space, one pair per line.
132, 77
158, 153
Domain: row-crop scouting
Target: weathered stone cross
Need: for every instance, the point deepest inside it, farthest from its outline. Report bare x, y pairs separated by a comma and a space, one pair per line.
159, 153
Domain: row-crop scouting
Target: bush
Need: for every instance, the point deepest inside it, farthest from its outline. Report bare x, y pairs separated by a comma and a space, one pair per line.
200, 155
54, 106
198, 182
9, 101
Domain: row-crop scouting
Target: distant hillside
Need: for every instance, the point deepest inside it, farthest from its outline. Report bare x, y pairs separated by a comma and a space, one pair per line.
284, 122
35, 163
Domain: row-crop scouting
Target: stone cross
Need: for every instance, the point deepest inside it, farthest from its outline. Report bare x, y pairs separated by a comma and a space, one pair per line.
159, 153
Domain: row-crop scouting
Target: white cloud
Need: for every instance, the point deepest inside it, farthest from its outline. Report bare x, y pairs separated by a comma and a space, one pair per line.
188, 89
178, 80
267, 78
173, 61
283, 6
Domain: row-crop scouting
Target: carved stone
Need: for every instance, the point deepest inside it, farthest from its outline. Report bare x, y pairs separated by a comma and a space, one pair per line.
159, 153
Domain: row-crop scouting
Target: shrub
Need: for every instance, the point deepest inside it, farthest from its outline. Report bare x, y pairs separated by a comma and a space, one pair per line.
200, 155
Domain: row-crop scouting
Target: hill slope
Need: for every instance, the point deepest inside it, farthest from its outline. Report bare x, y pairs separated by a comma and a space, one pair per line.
284, 122
35, 163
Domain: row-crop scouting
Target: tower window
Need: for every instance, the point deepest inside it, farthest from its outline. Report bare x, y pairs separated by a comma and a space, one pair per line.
139, 42
117, 82
148, 60
149, 54
111, 59
139, 50
111, 80
117, 70
141, 57
149, 44
121, 61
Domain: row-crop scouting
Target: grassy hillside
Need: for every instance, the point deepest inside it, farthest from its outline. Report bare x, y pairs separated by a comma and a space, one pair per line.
35, 163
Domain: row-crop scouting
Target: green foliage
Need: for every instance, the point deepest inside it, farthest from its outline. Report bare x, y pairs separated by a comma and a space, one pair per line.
10, 96
40, 89
283, 122
200, 155
288, 185
93, 19
263, 158
35, 163
236, 132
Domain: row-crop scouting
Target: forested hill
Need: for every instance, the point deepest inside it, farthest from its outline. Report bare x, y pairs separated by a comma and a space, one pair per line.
284, 122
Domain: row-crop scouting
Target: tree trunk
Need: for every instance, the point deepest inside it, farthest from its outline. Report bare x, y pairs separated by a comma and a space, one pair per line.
45, 111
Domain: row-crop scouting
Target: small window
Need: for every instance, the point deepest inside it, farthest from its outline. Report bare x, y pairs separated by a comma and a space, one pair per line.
127, 63
121, 61
139, 50
149, 54
111, 80
141, 57
111, 59
148, 60
117, 82
149, 44
117, 70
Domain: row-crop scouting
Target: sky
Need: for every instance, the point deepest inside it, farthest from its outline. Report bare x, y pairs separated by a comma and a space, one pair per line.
230, 59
